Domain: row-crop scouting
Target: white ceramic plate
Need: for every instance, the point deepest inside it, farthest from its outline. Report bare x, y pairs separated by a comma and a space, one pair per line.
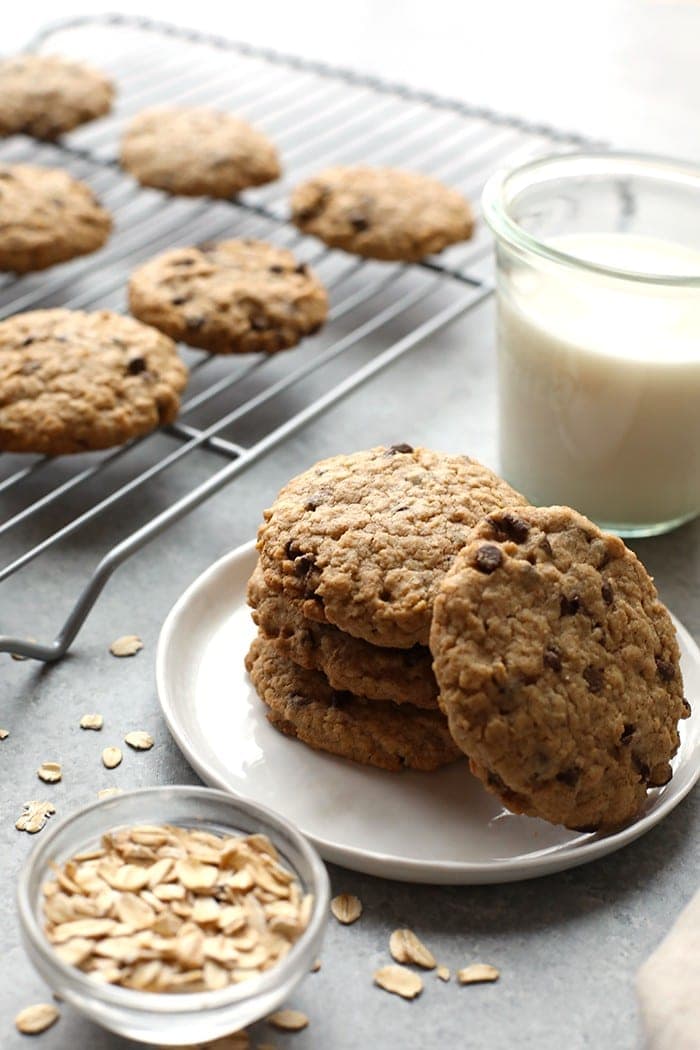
435, 827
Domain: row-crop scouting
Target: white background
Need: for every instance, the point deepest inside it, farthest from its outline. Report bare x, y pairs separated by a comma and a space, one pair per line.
582, 64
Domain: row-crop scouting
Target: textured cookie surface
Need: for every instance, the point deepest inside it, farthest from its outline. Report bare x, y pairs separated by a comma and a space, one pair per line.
197, 152
362, 541
558, 668
302, 704
46, 217
73, 381
231, 297
46, 95
382, 213
401, 675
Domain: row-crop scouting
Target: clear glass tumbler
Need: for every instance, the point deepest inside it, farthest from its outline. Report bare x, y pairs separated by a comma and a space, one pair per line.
598, 278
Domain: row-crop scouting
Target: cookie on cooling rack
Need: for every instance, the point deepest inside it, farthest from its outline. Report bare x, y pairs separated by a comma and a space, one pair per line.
232, 297
404, 676
197, 152
302, 704
47, 217
558, 668
382, 213
47, 95
73, 381
363, 541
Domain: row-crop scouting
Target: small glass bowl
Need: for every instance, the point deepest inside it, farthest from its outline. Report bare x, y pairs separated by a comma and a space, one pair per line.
172, 1018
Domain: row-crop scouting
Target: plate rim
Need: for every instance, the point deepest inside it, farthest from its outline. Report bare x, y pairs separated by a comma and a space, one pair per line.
557, 858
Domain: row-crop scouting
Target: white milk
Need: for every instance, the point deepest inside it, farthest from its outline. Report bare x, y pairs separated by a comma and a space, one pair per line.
600, 383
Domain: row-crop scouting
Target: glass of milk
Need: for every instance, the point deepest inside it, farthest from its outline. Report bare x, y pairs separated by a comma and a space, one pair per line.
598, 264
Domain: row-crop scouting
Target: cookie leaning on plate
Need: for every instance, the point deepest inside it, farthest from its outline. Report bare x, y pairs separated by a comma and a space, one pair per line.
73, 381
232, 297
401, 675
362, 541
46, 95
302, 704
558, 668
47, 217
382, 213
197, 152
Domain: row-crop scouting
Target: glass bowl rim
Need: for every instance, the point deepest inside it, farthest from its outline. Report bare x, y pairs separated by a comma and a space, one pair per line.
495, 202
131, 999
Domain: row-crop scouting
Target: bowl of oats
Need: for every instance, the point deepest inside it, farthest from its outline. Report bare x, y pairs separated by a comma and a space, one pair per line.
173, 915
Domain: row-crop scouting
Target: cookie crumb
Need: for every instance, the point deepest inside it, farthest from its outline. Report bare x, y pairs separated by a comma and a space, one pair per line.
139, 740
49, 772
37, 1018
111, 757
92, 721
443, 973
35, 815
478, 973
288, 1020
127, 645
347, 908
405, 947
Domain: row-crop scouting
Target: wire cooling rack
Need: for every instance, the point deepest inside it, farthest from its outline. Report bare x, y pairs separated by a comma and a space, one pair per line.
236, 409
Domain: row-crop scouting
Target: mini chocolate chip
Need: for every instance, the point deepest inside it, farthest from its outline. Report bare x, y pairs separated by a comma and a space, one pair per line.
276, 269
594, 678
394, 449
510, 527
569, 606
358, 222
570, 777
628, 732
552, 658
607, 592
28, 341
302, 268
136, 365
488, 558
258, 323
194, 323
178, 300
666, 669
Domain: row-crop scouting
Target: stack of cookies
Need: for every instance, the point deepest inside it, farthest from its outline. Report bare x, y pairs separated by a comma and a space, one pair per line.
556, 667
351, 555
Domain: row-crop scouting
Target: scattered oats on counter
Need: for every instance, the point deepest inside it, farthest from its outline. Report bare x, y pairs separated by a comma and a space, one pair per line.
91, 721
35, 1019
109, 792
139, 740
443, 973
49, 772
405, 947
127, 645
477, 973
111, 757
347, 908
4, 733
399, 980
35, 815
288, 1020
169, 909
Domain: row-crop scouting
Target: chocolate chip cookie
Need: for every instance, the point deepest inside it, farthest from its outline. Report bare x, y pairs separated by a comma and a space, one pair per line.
230, 297
401, 675
382, 213
363, 541
558, 668
46, 95
303, 705
47, 217
197, 152
73, 381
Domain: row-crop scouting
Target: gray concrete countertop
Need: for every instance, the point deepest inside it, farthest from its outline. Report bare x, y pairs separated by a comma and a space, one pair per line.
568, 945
